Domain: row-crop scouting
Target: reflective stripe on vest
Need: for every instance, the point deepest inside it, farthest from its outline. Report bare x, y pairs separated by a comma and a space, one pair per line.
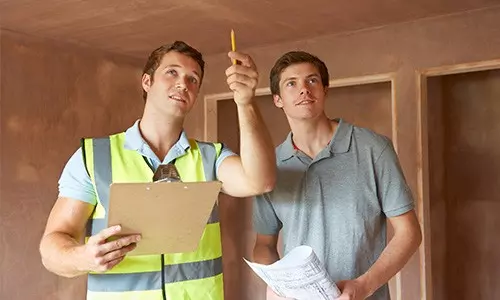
186, 275
173, 273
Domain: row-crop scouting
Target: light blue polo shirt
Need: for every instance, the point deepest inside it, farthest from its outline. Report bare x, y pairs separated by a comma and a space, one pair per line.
337, 203
75, 181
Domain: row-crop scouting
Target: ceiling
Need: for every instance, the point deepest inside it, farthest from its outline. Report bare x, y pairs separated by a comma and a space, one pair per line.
135, 27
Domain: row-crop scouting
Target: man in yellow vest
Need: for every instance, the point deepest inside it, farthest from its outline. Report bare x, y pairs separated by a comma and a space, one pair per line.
171, 82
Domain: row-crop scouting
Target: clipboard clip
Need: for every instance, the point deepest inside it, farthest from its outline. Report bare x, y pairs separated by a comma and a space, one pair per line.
166, 173
167, 179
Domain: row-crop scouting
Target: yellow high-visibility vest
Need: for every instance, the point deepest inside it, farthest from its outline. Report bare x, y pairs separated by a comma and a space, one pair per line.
180, 276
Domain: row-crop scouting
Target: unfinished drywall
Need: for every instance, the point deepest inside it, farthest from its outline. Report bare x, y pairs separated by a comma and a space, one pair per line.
403, 50
364, 105
470, 153
52, 94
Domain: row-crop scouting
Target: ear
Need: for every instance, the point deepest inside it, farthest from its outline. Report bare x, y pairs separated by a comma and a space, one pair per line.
278, 101
146, 82
326, 91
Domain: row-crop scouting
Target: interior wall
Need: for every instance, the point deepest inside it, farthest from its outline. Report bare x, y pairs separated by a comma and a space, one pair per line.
367, 105
401, 50
364, 105
472, 159
52, 94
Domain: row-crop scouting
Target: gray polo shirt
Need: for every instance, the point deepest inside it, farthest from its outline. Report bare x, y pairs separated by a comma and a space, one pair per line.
338, 202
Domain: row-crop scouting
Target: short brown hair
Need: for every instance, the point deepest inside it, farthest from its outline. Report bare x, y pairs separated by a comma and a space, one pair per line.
292, 58
156, 56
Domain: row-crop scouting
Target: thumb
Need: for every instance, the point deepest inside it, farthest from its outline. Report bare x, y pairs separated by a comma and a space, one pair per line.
341, 285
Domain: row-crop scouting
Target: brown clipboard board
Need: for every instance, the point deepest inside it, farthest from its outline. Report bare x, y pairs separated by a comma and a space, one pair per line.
170, 216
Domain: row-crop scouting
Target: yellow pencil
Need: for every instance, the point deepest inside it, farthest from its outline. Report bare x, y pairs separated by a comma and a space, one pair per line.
233, 44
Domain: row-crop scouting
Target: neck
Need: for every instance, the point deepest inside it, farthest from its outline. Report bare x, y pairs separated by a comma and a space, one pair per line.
311, 136
159, 131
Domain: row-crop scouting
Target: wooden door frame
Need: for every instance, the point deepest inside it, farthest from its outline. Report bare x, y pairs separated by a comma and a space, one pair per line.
423, 210
210, 100
210, 134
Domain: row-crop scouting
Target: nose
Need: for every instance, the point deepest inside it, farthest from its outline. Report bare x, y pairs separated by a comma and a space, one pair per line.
181, 84
304, 89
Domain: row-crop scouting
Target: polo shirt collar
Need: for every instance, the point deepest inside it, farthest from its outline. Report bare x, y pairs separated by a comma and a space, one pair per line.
340, 142
135, 141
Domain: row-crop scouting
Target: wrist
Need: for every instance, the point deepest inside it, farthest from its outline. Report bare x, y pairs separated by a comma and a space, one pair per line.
245, 108
76, 254
244, 103
367, 285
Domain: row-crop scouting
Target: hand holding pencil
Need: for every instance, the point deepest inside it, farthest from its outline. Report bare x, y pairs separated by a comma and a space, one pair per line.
242, 75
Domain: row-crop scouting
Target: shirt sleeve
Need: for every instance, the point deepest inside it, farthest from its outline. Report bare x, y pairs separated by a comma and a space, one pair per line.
75, 182
394, 193
225, 152
265, 220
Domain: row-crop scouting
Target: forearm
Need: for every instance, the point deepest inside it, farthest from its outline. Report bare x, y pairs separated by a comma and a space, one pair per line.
256, 149
265, 255
59, 252
396, 254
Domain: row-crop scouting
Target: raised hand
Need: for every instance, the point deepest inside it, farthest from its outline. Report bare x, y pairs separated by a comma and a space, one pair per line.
242, 78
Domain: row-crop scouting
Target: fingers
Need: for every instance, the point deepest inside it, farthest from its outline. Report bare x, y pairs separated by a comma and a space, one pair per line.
341, 284
104, 234
237, 87
239, 69
109, 265
103, 257
111, 259
113, 263
241, 77
119, 243
346, 293
243, 80
245, 59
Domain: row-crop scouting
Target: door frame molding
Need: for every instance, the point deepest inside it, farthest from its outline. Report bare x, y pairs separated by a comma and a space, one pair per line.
423, 210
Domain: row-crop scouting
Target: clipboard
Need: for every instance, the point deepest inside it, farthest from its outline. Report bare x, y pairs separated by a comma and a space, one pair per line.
170, 216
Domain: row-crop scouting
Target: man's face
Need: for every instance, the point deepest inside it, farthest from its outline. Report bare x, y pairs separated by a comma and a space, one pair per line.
175, 84
302, 94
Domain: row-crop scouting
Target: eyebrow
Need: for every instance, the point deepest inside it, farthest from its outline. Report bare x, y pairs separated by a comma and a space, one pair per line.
308, 76
178, 66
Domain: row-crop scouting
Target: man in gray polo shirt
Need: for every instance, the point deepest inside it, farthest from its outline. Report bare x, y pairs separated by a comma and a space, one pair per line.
337, 185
